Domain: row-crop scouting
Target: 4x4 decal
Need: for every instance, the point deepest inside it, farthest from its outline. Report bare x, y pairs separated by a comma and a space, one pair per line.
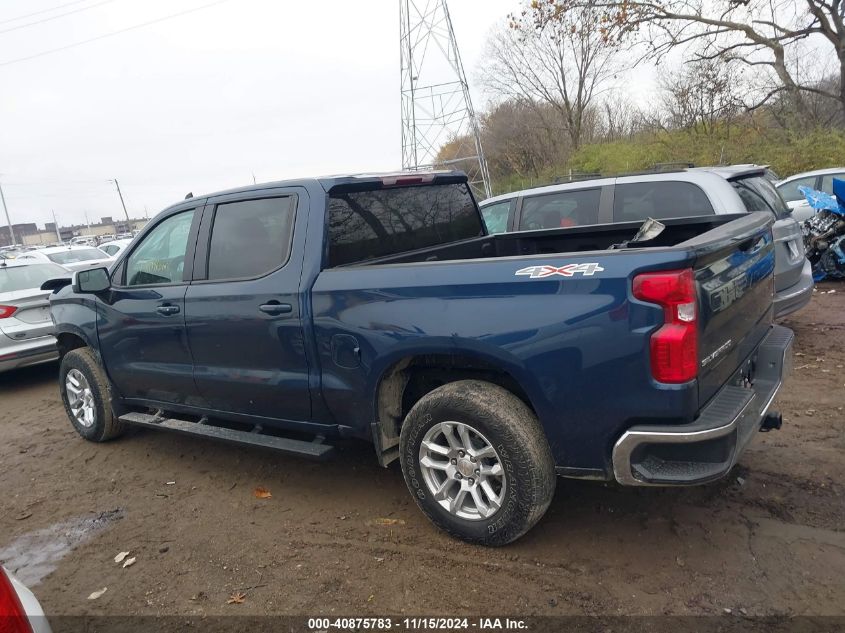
569, 270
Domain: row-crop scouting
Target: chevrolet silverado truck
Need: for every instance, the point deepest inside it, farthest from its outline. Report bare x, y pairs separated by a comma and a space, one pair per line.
284, 315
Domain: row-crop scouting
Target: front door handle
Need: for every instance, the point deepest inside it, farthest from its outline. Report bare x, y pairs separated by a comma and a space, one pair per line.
275, 308
167, 309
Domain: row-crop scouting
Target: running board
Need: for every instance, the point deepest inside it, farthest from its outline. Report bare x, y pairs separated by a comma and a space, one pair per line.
313, 450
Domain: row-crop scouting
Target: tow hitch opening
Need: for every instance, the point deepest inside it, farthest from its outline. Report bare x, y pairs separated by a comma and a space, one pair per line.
772, 421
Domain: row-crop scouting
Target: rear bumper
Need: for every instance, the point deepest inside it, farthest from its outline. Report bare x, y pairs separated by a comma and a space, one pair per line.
708, 448
797, 295
25, 353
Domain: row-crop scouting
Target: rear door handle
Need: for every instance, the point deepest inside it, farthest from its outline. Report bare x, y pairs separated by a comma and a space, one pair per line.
276, 308
167, 309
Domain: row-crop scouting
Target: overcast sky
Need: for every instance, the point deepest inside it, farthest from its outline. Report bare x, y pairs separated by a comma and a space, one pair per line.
201, 102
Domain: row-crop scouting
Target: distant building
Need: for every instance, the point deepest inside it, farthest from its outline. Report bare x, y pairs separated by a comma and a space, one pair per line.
30, 235
21, 231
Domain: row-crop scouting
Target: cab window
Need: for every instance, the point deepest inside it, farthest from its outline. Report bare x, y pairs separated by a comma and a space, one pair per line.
250, 238
160, 257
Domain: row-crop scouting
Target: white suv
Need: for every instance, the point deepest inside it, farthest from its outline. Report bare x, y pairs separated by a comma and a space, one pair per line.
672, 194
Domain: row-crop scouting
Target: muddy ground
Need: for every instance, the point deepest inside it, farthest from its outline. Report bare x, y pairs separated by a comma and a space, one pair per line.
768, 540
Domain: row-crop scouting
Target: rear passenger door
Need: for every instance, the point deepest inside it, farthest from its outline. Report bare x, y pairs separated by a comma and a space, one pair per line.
243, 310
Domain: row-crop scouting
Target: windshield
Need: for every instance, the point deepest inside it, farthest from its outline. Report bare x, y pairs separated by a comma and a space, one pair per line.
14, 278
77, 255
759, 194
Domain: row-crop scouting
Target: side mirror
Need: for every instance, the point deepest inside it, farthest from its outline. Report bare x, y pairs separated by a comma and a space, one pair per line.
91, 281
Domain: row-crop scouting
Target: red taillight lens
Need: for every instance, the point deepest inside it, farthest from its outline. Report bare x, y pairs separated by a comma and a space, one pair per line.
12, 616
7, 311
674, 347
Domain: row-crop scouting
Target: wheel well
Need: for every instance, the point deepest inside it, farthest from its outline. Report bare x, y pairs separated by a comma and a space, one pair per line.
67, 342
407, 381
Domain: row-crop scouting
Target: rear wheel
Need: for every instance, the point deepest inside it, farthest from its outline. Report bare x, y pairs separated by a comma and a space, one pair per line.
86, 396
477, 462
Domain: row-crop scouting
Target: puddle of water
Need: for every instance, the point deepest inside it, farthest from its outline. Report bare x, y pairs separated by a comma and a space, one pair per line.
32, 556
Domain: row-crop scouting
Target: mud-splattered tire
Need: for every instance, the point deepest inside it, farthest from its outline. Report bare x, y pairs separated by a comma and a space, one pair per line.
86, 396
453, 481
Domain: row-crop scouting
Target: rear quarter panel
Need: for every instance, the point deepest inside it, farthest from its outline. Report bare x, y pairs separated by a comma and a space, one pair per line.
577, 345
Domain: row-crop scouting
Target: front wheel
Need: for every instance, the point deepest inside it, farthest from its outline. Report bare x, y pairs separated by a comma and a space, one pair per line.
86, 396
477, 462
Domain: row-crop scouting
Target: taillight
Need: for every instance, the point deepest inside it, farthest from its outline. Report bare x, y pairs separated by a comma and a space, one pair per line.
674, 346
7, 311
13, 618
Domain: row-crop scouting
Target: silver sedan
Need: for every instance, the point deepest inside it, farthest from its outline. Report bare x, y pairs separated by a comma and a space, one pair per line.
26, 329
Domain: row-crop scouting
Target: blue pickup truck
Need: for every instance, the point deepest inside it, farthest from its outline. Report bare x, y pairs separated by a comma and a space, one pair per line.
377, 307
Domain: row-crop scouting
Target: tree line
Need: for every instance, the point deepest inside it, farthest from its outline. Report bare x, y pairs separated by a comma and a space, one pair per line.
739, 81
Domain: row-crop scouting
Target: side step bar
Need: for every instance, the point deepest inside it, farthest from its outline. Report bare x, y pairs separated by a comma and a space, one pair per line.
313, 450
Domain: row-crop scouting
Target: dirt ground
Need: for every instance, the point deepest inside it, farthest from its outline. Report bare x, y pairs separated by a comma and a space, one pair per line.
767, 540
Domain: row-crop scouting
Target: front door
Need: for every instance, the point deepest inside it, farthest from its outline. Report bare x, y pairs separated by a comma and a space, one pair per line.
243, 312
142, 320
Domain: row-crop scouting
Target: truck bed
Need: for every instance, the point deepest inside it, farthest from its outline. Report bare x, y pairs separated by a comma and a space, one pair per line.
567, 240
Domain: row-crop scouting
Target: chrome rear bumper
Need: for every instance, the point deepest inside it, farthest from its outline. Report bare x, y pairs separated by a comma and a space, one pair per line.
708, 448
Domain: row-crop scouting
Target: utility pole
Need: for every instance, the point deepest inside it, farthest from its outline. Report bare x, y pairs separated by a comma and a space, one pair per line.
56, 226
116, 184
8, 221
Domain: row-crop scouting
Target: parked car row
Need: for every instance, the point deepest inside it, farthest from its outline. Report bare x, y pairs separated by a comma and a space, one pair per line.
71, 257
26, 329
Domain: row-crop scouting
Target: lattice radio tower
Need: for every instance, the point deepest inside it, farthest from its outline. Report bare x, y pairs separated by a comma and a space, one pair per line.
436, 105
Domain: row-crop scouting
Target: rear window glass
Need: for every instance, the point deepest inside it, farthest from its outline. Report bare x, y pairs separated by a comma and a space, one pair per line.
758, 194
368, 224
560, 210
13, 278
638, 201
77, 255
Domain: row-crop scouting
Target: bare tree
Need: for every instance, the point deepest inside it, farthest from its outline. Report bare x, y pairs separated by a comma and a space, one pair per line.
618, 117
557, 66
519, 139
757, 33
704, 97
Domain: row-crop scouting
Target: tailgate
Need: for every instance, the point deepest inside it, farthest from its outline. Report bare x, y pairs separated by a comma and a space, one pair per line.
734, 272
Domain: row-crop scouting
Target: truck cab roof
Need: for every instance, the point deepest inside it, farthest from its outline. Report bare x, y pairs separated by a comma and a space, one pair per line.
347, 181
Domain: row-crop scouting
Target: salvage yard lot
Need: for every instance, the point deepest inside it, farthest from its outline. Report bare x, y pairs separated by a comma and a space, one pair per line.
344, 537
